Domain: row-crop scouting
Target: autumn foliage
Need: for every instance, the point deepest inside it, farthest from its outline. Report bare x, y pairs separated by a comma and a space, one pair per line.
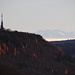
29, 54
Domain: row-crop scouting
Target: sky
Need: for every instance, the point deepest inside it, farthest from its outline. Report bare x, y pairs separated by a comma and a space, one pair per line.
34, 15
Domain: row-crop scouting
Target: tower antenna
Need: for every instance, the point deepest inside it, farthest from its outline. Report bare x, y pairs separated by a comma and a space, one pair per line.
2, 21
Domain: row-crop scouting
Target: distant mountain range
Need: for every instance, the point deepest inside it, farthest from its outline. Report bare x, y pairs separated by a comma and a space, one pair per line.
55, 34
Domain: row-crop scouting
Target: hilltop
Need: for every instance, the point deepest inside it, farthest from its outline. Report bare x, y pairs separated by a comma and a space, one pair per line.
30, 54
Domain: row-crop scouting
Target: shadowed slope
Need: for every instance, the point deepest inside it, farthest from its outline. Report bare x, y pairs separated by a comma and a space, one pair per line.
31, 54
7, 70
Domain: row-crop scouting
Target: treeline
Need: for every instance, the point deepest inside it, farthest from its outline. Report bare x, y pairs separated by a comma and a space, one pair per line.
66, 57
67, 46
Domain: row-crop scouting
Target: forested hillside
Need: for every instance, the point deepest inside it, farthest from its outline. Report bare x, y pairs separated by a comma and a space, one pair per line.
30, 54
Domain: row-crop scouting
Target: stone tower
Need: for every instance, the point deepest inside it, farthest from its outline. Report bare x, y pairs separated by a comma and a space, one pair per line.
2, 21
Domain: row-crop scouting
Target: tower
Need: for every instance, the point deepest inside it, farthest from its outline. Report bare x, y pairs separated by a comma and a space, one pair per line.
2, 21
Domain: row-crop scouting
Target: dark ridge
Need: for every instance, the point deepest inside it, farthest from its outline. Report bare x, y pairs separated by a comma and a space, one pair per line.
68, 46
32, 55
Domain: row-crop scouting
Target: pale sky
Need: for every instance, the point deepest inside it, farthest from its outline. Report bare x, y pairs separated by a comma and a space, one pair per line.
33, 15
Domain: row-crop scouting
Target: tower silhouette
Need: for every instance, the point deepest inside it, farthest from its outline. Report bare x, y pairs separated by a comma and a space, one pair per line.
2, 21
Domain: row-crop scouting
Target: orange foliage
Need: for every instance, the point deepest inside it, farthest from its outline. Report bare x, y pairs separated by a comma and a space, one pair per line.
66, 71
1, 50
15, 51
5, 47
18, 52
34, 55
0, 53
36, 41
52, 70
0, 47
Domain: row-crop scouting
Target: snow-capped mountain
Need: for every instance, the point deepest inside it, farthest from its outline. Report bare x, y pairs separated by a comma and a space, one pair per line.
55, 34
